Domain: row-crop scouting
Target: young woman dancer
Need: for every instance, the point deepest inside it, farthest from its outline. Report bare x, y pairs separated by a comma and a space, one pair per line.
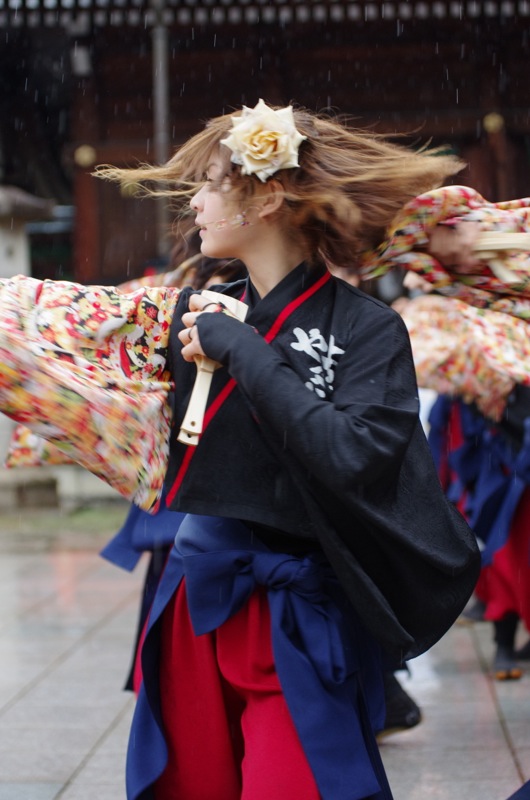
260, 680
315, 529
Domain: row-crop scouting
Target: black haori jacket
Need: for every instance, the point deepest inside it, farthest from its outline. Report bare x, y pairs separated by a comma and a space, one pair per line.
312, 432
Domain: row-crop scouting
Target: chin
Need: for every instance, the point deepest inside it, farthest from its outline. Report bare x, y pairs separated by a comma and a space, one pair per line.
212, 251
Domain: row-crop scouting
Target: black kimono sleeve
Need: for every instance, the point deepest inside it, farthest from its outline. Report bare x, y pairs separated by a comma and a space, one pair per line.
358, 435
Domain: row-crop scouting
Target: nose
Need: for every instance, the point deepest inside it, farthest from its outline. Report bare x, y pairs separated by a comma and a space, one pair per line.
195, 202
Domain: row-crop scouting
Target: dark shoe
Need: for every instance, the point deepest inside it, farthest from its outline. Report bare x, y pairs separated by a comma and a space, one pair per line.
505, 666
402, 713
523, 654
504, 663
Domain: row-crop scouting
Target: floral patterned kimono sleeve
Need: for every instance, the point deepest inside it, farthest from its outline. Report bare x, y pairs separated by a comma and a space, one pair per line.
475, 354
86, 368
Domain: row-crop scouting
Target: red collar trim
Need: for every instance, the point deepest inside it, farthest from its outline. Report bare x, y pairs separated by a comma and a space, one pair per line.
228, 388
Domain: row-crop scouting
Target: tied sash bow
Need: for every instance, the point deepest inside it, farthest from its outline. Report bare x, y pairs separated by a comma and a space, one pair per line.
306, 624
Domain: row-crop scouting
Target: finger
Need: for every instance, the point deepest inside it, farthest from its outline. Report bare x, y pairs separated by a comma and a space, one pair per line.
197, 303
189, 318
191, 343
189, 351
186, 335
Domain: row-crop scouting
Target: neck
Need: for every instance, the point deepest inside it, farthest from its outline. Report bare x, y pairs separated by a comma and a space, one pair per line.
271, 259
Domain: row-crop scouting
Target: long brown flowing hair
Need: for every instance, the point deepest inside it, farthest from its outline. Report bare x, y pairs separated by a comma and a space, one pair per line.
349, 186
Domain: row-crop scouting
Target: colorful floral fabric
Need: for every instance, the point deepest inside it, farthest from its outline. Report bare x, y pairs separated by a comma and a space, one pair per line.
85, 368
460, 350
26, 449
407, 241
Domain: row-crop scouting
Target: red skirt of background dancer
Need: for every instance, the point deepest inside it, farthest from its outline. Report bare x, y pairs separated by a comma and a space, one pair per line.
228, 692
504, 586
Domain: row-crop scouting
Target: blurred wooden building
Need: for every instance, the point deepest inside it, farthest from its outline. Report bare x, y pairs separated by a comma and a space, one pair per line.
84, 82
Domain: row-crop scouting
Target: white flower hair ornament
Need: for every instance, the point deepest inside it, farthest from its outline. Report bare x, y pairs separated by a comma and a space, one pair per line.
264, 141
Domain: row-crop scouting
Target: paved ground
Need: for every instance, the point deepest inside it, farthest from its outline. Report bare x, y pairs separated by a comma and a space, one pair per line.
67, 621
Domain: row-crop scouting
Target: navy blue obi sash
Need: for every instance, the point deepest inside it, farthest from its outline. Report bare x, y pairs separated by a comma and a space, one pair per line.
328, 666
142, 532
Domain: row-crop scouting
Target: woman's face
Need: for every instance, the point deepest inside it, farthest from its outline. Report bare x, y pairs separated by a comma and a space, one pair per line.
222, 225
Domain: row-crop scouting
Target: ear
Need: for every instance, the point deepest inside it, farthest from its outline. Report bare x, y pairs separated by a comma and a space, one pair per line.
271, 197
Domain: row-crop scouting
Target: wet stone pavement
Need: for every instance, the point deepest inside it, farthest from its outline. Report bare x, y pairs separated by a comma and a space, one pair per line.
67, 622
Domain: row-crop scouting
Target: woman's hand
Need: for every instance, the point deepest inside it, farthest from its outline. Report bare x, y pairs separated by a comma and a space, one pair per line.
453, 247
416, 284
189, 336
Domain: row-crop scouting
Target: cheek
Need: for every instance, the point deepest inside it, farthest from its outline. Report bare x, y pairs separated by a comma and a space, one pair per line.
215, 207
